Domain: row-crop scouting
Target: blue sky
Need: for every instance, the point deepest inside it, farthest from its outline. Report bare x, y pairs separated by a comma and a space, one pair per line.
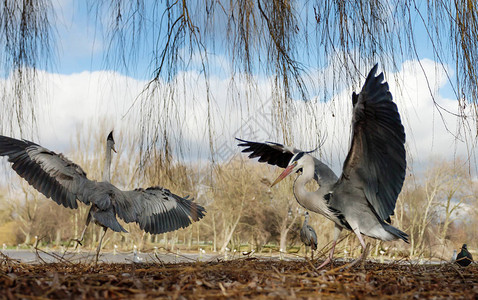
82, 39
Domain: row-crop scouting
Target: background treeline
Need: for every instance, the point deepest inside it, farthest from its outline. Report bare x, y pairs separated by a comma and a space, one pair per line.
438, 206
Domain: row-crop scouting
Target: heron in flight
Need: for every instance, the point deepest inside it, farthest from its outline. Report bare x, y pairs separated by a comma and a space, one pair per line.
155, 209
308, 236
364, 197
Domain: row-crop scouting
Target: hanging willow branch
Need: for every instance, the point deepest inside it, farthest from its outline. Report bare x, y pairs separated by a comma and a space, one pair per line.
285, 41
26, 45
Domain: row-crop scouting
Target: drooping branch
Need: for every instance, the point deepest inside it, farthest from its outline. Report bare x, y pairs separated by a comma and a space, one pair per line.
27, 46
282, 40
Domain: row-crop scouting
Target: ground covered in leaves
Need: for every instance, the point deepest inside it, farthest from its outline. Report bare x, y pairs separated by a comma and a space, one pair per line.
240, 278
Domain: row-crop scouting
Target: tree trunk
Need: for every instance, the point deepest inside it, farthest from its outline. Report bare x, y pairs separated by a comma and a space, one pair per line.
424, 224
283, 240
58, 238
228, 236
198, 225
173, 241
190, 241
230, 232
27, 238
284, 229
232, 228
214, 233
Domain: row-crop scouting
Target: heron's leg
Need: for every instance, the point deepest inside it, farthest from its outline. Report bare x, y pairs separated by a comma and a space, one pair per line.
362, 242
99, 245
337, 231
364, 247
88, 220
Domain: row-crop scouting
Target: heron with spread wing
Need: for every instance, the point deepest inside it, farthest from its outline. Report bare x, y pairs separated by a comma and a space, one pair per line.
155, 209
363, 198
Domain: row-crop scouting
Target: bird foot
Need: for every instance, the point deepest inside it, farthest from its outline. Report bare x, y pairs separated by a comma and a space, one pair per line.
326, 262
78, 242
361, 259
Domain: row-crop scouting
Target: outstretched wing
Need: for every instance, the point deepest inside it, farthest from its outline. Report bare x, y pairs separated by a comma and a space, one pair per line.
269, 152
157, 210
51, 174
376, 160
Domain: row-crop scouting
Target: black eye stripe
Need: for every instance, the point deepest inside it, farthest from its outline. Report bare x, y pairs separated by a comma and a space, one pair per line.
298, 156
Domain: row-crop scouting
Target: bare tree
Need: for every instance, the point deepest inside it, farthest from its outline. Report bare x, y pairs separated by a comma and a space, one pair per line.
457, 191
430, 203
231, 191
27, 211
286, 206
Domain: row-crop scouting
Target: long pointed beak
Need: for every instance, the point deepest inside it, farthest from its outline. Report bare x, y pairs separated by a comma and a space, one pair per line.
113, 148
284, 174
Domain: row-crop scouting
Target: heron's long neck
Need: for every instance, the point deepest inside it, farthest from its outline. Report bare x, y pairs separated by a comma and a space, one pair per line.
107, 166
306, 221
313, 201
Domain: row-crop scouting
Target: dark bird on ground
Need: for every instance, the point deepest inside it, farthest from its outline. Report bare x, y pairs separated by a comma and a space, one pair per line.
364, 197
155, 209
308, 235
464, 258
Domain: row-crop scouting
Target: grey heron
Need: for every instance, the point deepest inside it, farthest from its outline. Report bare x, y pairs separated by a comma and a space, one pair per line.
364, 197
308, 235
464, 257
155, 209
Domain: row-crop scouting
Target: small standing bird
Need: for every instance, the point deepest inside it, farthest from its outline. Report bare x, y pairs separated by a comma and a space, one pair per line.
363, 198
308, 236
155, 209
464, 258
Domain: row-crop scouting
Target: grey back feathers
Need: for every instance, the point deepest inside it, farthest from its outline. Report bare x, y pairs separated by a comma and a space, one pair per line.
155, 209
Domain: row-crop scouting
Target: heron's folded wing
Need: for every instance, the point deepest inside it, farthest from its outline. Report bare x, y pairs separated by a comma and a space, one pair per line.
376, 160
157, 210
313, 236
272, 153
52, 174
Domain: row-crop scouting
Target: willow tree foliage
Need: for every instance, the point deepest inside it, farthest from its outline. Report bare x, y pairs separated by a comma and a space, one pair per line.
285, 41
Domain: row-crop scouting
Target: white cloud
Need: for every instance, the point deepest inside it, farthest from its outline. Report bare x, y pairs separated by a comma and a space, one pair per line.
71, 100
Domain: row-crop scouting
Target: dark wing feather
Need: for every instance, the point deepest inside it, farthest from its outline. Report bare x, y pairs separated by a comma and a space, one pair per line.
376, 159
51, 174
156, 209
313, 237
272, 153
